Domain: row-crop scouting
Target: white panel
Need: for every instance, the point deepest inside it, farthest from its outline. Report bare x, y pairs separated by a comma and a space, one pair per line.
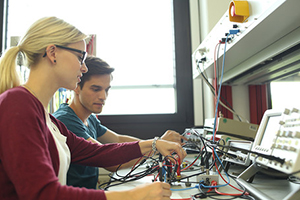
273, 27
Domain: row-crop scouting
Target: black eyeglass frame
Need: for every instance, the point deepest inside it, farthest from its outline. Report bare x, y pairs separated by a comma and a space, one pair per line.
84, 53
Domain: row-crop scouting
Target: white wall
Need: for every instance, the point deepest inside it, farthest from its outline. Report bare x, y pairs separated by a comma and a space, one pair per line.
240, 101
210, 13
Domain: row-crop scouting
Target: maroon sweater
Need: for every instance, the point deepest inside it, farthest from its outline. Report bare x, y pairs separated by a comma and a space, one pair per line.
29, 159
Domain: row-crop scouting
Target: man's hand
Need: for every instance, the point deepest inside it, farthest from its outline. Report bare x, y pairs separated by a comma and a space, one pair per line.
167, 148
173, 136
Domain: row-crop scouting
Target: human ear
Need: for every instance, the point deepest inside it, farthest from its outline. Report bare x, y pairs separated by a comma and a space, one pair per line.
51, 53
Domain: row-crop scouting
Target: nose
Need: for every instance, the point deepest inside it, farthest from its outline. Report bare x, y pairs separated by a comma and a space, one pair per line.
84, 68
102, 95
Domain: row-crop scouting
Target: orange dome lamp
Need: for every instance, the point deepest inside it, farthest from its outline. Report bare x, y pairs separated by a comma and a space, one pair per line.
238, 11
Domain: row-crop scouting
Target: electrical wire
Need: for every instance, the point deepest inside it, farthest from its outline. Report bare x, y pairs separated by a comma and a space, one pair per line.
228, 179
212, 146
217, 100
169, 168
217, 60
226, 194
219, 92
216, 77
213, 89
224, 105
191, 163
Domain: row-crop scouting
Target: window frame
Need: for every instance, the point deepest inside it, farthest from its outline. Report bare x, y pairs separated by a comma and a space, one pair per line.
3, 24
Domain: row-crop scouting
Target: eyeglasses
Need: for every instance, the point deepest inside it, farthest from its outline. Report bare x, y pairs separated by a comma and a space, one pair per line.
81, 59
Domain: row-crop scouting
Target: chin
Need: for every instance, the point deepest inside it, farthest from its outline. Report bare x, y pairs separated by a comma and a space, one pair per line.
99, 111
71, 87
96, 112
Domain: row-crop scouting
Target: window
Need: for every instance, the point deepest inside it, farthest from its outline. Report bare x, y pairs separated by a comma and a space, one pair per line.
144, 75
284, 93
151, 54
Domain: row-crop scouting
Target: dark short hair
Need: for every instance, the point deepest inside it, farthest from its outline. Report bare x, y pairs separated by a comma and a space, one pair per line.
96, 66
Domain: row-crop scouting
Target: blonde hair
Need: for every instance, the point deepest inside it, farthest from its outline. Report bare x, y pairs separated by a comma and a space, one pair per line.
45, 31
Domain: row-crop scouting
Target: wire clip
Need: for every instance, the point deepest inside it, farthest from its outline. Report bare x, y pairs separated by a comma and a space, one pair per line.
234, 31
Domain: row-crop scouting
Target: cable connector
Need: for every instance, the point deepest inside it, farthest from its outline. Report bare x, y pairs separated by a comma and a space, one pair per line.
207, 179
234, 31
223, 40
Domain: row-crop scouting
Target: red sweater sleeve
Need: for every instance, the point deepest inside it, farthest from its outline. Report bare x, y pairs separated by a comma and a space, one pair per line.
28, 157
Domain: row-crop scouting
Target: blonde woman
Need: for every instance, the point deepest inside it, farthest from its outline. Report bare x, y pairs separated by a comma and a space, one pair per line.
35, 148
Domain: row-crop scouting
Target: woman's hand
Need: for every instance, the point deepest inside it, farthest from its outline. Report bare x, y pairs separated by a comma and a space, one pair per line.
149, 191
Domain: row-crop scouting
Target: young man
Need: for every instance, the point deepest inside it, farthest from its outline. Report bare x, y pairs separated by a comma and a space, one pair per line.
89, 98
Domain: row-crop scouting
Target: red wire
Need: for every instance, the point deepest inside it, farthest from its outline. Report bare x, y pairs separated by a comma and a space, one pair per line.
192, 162
139, 160
215, 70
156, 177
215, 84
221, 193
210, 189
246, 193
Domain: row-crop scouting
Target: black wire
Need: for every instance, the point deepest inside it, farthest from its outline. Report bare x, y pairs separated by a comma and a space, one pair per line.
247, 197
106, 183
207, 154
213, 91
127, 175
192, 144
215, 152
146, 173
130, 176
213, 196
294, 179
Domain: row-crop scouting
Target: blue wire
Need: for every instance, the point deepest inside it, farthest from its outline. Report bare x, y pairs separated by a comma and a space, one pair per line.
165, 174
216, 112
217, 186
219, 92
